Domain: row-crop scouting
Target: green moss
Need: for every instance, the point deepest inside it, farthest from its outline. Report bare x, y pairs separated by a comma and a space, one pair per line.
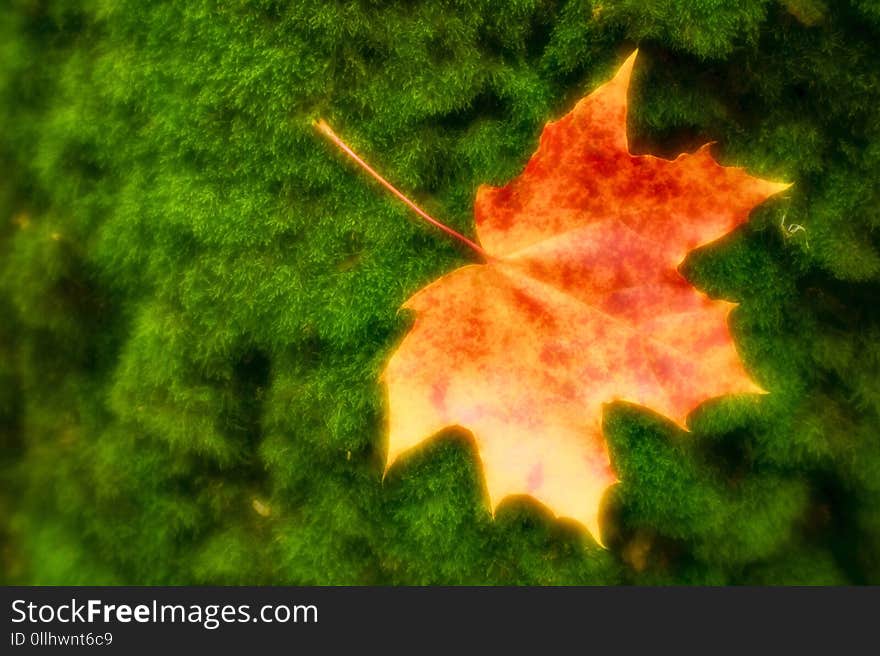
198, 295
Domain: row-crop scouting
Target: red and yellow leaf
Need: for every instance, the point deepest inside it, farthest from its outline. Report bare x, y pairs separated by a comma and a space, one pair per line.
579, 304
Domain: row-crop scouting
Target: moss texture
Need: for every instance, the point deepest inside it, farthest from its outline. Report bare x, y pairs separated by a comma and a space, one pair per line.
197, 294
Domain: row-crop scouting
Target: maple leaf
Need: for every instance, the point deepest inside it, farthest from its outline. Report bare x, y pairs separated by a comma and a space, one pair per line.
579, 304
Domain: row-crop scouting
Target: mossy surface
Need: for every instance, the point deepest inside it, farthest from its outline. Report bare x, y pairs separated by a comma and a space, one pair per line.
197, 294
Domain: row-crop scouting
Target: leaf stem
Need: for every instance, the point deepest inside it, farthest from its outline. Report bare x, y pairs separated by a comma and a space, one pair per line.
325, 129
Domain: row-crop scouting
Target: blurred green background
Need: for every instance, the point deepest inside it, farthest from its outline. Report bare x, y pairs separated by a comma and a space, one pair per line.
197, 293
